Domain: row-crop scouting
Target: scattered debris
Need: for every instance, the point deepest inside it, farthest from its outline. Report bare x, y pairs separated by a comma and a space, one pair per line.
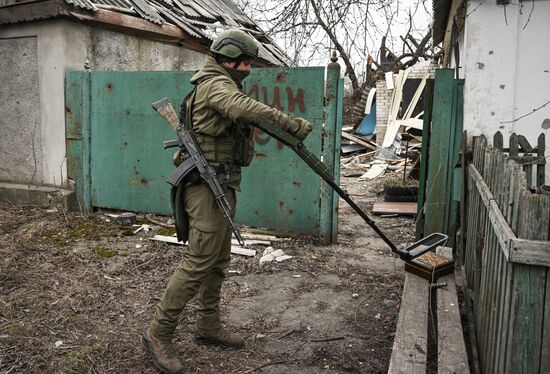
242, 251
168, 239
144, 227
271, 254
250, 242
385, 207
377, 169
126, 219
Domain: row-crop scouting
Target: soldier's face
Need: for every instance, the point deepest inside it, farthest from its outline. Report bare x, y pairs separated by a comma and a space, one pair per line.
245, 65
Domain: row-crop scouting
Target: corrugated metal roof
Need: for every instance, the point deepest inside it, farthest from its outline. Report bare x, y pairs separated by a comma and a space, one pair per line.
84, 4
146, 11
201, 19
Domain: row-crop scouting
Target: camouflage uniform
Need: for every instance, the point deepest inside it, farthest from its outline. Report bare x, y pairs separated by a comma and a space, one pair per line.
221, 118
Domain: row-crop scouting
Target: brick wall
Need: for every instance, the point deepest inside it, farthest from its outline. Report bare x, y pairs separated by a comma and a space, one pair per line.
384, 96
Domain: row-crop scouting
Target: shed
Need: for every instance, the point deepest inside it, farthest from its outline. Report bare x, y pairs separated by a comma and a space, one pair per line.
41, 40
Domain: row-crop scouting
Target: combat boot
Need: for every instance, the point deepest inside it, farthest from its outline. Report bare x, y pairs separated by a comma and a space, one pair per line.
162, 354
219, 337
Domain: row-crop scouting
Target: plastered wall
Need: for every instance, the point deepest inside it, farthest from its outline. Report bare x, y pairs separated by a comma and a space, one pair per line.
34, 59
506, 66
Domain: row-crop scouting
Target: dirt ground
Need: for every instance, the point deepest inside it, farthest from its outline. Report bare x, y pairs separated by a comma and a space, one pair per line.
76, 293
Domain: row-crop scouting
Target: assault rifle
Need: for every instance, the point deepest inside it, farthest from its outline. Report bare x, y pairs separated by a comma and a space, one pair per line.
194, 162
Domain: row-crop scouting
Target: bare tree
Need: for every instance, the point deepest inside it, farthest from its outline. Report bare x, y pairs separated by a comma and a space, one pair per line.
363, 32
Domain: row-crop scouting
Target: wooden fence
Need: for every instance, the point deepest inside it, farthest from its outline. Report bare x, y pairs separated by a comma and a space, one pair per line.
507, 263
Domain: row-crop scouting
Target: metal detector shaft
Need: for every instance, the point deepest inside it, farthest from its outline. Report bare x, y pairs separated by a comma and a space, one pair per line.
322, 170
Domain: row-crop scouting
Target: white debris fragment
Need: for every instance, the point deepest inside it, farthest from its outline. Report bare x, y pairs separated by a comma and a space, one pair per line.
58, 343
270, 254
377, 316
282, 258
144, 228
355, 295
167, 239
277, 253
267, 251
267, 258
296, 276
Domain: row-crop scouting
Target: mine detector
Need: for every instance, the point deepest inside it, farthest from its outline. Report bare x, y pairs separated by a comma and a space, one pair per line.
431, 267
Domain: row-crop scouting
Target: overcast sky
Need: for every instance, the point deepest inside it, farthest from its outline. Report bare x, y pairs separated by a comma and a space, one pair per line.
400, 24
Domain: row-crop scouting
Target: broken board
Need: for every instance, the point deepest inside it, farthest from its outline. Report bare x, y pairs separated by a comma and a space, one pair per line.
385, 207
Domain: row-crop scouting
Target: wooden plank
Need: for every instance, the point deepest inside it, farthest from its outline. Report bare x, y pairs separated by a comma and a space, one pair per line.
525, 336
485, 285
384, 207
501, 184
503, 231
530, 252
138, 26
411, 337
360, 141
479, 163
452, 357
541, 147
524, 144
242, 251
516, 184
545, 346
393, 127
416, 97
376, 169
498, 141
471, 344
505, 180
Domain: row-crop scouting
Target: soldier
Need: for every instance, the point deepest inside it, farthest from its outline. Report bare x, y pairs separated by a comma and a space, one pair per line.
221, 117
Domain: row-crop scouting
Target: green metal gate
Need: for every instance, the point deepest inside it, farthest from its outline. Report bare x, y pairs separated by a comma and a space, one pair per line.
115, 155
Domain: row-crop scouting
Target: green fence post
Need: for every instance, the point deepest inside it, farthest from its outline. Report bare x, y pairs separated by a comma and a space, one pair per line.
331, 150
77, 128
443, 148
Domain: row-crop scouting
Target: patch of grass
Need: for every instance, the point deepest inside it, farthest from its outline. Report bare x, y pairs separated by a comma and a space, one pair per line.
127, 232
92, 229
166, 231
79, 360
54, 238
105, 252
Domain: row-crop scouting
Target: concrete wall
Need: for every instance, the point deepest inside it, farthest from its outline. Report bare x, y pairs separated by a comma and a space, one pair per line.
60, 46
507, 71
20, 133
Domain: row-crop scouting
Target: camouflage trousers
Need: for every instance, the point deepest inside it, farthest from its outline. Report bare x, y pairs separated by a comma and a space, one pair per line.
201, 271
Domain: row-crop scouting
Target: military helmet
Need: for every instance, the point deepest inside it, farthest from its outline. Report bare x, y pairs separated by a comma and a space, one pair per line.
235, 43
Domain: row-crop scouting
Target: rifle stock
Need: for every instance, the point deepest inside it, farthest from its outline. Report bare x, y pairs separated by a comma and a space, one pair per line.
166, 111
